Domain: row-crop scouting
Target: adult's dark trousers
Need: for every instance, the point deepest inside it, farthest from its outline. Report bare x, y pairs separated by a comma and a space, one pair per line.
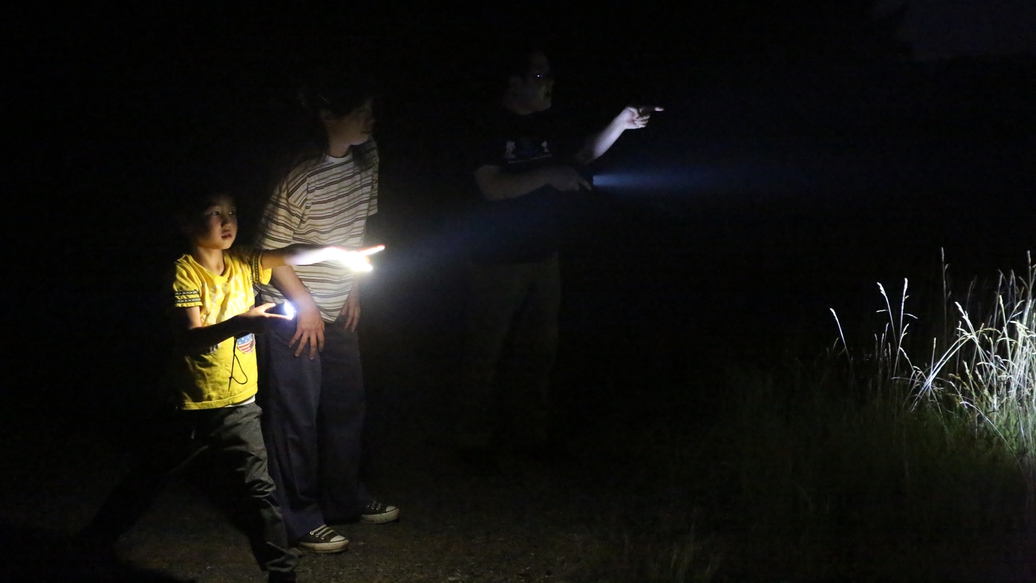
510, 343
314, 418
234, 436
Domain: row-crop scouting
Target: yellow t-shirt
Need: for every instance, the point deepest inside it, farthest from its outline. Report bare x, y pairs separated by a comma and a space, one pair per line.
224, 374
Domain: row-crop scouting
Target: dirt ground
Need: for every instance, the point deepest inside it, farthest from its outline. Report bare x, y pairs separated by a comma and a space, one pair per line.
532, 523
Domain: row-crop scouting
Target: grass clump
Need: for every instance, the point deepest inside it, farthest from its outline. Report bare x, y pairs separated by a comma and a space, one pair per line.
857, 467
988, 371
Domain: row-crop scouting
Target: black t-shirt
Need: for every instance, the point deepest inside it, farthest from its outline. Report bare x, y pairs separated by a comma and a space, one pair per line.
528, 228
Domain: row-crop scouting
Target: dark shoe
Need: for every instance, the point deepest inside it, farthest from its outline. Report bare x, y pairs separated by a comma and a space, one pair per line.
323, 540
378, 513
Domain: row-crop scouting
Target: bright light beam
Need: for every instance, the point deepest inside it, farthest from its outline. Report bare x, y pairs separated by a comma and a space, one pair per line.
289, 310
659, 179
359, 260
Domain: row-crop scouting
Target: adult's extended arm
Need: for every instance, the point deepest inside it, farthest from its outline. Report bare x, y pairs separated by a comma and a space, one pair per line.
630, 118
495, 184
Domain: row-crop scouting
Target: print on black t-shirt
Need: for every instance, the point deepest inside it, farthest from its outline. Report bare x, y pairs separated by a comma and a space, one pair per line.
528, 228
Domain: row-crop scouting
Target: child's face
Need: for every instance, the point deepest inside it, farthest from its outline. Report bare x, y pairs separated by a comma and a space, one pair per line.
216, 226
354, 128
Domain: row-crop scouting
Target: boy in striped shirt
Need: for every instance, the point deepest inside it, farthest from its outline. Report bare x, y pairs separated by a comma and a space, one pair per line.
314, 399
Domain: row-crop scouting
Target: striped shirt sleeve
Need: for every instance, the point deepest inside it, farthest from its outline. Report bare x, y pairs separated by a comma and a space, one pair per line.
186, 288
283, 214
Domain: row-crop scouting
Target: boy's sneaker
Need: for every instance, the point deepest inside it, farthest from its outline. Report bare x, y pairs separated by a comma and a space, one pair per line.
323, 540
378, 513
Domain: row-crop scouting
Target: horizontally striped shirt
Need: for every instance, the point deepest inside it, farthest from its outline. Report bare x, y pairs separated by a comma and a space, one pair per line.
325, 201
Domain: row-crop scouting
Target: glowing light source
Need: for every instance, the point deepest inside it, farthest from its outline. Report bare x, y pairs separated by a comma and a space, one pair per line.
656, 179
359, 260
289, 310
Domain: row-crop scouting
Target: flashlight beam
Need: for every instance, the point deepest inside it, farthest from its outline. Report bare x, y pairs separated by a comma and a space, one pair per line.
371, 250
359, 260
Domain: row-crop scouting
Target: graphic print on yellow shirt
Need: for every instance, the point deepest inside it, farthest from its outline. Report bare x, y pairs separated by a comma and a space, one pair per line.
224, 374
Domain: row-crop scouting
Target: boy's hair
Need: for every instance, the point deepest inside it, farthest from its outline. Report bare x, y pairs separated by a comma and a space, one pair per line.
337, 88
194, 196
513, 59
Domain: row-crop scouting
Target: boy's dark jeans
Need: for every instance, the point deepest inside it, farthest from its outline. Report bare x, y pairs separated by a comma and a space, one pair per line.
232, 434
510, 342
315, 411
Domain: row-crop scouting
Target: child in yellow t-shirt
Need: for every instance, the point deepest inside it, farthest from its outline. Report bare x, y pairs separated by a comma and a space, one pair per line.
214, 373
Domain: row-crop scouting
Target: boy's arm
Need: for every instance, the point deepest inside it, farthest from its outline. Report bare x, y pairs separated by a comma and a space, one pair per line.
495, 184
196, 337
303, 254
349, 315
309, 324
280, 222
630, 118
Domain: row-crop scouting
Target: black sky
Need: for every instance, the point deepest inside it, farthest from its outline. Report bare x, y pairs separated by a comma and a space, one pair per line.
874, 162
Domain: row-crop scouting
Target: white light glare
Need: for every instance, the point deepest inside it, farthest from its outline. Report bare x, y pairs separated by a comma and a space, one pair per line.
358, 260
357, 263
289, 310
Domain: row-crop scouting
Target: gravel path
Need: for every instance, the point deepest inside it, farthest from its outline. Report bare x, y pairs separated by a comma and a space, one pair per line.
530, 524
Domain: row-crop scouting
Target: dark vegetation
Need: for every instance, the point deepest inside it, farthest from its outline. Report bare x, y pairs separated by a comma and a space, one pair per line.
720, 431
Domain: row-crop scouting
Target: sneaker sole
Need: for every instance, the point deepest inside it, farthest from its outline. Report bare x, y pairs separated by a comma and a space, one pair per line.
380, 518
324, 548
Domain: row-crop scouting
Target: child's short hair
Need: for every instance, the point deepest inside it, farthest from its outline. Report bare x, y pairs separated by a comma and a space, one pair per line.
195, 194
513, 59
338, 88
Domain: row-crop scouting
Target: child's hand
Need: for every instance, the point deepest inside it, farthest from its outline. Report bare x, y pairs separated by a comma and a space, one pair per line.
358, 260
257, 319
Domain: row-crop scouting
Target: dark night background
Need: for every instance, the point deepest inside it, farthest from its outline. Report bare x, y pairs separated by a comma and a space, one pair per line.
804, 155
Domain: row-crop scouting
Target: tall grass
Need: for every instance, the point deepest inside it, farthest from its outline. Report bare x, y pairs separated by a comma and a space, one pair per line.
981, 368
988, 370
972, 393
912, 460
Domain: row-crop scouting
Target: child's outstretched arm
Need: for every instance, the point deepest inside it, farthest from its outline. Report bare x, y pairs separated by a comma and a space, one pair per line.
302, 254
194, 336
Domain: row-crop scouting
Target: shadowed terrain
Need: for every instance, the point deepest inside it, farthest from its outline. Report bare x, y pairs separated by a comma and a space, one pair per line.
762, 197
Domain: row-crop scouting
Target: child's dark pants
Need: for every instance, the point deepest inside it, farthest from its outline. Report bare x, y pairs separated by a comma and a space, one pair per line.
233, 435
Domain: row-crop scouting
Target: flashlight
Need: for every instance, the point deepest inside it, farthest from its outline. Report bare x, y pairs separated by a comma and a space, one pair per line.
288, 309
358, 260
